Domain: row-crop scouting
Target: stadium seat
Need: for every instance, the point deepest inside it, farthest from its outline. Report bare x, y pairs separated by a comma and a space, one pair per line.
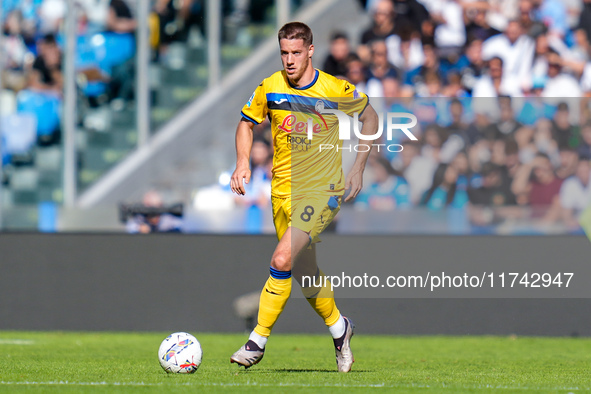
7, 102
19, 132
45, 107
112, 49
24, 183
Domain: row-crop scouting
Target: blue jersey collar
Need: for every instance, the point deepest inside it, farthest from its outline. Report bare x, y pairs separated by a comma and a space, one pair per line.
308, 85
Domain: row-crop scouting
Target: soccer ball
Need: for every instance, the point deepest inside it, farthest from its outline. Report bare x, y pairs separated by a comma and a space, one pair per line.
180, 352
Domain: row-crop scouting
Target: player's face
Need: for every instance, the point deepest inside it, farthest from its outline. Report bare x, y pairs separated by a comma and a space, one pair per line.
296, 58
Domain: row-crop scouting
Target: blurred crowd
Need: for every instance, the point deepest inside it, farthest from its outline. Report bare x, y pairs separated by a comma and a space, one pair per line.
499, 89
460, 48
33, 38
32, 57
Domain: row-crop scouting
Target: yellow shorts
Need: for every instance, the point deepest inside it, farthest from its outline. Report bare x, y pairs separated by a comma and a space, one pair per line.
311, 213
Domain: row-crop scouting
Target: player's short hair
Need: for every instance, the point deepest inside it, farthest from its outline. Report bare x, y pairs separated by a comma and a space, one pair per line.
296, 31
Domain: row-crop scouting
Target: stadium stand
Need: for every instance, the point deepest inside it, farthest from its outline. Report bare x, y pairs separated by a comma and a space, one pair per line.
500, 88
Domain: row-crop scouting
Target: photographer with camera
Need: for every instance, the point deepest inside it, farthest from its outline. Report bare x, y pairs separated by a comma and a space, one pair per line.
151, 216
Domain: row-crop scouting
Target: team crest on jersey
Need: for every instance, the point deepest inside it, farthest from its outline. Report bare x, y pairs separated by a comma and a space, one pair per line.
356, 94
319, 107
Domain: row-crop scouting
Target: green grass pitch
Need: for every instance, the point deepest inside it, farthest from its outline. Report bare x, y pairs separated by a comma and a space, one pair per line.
127, 362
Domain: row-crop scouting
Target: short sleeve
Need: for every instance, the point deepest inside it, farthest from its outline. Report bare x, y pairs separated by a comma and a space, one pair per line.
255, 110
351, 100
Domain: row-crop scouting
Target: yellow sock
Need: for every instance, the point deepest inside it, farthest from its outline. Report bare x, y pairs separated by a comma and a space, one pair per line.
273, 299
322, 299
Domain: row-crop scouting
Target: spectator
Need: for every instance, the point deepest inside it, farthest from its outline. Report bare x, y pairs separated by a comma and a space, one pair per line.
514, 48
379, 69
552, 13
15, 52
450, 33
563, 132
512, 162
46, 72
501, 12
495, 188
482, 129
584, 148
416, 76
560, 85
411, 12
405, 50
164, 223
388, 191
433, 86
456, 131
581, 46
382, 27
120, 18
51, 14
454, 87
168, 22
121, 86
416, 169
478, 27
540, 62
569, 160
507, 123
356, 73
544, 141
496, 83
96, 13
525, 15
461, 165
336, 62
585, 18
586, 79
444, 191
537, 182
30, 19
474, 65
434, 138
575, 193
175, 19
391, 93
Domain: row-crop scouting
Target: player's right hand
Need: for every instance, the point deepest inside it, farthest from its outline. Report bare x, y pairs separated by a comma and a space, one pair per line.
240, 175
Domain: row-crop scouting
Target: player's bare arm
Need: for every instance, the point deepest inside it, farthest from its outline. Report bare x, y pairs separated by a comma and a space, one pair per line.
354, 181
243, 147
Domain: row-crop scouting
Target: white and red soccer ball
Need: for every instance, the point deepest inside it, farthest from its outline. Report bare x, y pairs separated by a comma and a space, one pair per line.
180, 352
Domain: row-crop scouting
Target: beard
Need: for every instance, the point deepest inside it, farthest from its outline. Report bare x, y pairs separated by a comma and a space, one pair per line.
298, 74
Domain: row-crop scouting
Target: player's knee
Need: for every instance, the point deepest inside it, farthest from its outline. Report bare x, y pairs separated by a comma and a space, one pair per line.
281, 262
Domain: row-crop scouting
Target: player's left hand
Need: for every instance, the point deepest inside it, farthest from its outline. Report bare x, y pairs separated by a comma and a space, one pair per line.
354, 183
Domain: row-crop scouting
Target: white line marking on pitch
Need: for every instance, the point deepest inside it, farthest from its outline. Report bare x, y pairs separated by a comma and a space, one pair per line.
66, 383
203, 384
16, 342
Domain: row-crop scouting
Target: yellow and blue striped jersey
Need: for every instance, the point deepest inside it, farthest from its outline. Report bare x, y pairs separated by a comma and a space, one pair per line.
299, 165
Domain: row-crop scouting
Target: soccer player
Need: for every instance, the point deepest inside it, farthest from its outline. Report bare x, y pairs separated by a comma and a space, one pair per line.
308, 183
